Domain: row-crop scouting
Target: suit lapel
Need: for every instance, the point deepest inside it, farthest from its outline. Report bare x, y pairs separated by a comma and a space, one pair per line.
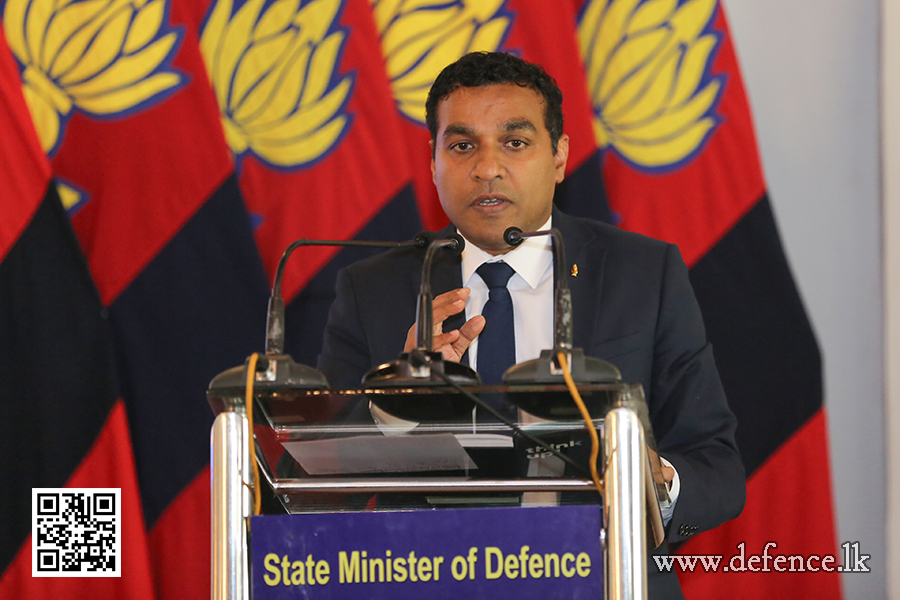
585, 250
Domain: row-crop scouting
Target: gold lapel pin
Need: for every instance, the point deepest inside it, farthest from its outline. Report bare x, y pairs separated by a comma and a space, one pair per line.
574, 270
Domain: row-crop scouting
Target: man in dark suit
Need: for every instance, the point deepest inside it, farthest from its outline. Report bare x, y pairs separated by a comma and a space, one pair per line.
498, 152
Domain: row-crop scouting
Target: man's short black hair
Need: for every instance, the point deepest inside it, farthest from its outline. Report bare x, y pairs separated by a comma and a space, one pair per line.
478, 69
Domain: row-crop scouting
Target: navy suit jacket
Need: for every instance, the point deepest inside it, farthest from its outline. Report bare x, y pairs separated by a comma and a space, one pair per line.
633, 305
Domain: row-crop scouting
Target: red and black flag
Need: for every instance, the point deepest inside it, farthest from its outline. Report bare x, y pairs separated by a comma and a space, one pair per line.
189, 141
681, 164
64, 423
170, 281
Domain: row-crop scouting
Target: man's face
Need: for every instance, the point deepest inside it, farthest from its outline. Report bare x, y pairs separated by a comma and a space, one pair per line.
493, 164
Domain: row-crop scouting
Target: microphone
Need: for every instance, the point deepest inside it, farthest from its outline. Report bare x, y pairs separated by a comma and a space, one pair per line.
546, 369
415, 369
277, 370
275, 317
513, 236
453, 246
562, 304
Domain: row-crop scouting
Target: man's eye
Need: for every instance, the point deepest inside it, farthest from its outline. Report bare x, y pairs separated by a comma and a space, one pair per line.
516, 143
461, 146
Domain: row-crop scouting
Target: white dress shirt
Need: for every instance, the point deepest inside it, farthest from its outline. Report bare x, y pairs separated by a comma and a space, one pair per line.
531, 289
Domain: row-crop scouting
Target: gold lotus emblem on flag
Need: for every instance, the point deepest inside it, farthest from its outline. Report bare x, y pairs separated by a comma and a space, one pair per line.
273, 70
421, 37
647, 67
105, 57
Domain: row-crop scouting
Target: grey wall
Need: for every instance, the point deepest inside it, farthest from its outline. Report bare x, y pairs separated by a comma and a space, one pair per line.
811, 70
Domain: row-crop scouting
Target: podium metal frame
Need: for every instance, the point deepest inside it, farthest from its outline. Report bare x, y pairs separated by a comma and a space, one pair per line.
628, 485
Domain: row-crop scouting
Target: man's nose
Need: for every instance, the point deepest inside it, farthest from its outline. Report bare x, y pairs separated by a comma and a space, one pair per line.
488, 165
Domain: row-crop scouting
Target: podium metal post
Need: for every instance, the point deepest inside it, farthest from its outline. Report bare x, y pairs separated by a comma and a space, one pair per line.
626, 512
230, 507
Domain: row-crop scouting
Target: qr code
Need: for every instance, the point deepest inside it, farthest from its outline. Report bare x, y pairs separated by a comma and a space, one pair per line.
75, 532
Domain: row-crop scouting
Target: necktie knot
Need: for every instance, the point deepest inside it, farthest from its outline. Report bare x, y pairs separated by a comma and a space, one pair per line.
495, 274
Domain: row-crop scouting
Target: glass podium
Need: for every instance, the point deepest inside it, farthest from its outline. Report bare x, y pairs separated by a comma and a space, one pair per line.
349, 450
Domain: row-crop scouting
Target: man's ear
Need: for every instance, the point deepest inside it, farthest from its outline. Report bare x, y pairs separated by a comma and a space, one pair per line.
562, 157
431, 145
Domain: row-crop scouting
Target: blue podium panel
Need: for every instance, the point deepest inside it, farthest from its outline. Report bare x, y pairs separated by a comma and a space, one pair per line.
522, 553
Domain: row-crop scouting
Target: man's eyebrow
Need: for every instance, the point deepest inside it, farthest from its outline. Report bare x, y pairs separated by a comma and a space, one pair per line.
521, 124
458, 129
518, 125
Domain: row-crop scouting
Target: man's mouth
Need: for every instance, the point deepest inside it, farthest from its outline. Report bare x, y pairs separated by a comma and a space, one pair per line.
489, 200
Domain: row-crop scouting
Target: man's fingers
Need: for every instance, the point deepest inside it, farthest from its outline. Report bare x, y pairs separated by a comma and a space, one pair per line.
449, 304
467, 333
451, 344
444, 344
668, 473
410, 339
448, 297
444, 306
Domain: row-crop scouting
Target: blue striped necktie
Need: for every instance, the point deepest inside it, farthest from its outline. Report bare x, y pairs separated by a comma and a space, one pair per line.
497, 342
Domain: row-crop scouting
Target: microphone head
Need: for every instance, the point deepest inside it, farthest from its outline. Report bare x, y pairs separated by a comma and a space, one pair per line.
456, 248
512, 236
423, 239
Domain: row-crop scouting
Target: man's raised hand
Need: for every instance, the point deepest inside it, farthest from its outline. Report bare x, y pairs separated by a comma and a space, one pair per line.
451, 344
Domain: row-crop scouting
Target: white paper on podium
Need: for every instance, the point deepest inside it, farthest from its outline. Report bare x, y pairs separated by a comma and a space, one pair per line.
484, 440
381, 454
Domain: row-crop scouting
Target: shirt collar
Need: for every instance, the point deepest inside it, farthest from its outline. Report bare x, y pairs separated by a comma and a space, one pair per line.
530, 259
